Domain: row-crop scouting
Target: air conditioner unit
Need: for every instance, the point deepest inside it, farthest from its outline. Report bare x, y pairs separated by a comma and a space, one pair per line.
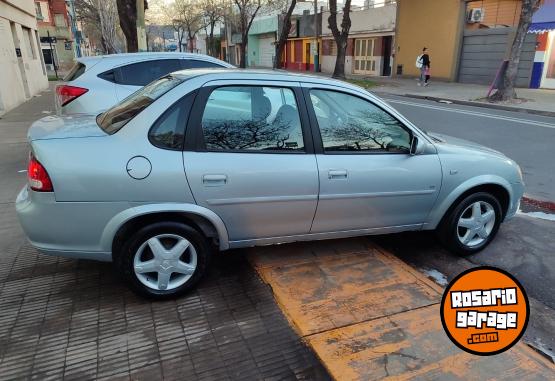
475, 15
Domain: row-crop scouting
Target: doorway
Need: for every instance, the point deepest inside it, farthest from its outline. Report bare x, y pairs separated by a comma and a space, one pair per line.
365, 61
307, 55
19, 54
386, 53
548, 78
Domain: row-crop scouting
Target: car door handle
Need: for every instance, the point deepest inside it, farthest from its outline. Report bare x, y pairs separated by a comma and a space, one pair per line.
334, 174
214, 180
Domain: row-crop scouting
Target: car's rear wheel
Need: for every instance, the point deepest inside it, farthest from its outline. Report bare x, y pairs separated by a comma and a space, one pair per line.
472, 224
163, 259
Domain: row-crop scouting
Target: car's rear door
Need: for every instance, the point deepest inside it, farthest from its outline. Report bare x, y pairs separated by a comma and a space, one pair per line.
249, 158
368, 178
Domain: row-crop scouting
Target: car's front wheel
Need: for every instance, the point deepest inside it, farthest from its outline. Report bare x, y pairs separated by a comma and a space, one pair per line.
472, 224
163, 259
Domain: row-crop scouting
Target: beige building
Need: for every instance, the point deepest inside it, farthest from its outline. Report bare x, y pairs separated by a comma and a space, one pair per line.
434, 24
22, 73
369, 46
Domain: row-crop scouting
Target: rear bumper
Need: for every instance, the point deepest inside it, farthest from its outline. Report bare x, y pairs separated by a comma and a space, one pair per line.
68, 229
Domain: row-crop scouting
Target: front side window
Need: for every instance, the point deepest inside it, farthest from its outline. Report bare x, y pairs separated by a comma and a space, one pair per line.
142, 73
113, 119
349, 123
252, 118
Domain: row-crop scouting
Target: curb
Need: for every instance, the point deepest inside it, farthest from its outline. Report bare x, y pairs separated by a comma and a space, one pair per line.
481, 104
548, 205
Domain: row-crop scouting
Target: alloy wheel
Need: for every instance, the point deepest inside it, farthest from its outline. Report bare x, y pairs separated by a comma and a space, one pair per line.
476, 224
165, 262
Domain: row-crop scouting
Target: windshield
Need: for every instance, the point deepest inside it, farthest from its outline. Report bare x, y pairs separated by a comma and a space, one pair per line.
113, 119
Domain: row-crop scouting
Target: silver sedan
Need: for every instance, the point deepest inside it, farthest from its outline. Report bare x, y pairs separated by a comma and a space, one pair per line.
205, 160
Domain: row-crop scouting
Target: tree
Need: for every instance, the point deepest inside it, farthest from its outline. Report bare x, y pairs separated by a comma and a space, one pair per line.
213, 12
506, 88
100, 18
189, 14
127, 11
248, 10
340, 37
285, 27
170, 17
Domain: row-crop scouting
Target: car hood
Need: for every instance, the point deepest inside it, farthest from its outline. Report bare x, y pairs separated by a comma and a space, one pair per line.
452, 141
63, 127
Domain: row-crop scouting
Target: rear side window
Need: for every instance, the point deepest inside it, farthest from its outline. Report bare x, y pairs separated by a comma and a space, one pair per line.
197, 64
76, 71
142, 73
113, 119
252, 118
169, 130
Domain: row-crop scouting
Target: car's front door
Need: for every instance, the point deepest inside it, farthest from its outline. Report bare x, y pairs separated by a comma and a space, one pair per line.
249, 158
368, 178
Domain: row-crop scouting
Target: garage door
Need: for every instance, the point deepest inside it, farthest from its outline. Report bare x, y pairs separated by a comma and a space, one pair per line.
267, 50
483, 52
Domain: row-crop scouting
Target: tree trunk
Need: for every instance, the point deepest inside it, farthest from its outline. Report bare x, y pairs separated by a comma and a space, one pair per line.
339, 70
506, 90
243, 55
191, 44
286, 26
340, 37
127, 11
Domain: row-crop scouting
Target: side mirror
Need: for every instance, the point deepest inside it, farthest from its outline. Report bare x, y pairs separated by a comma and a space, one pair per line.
414, 146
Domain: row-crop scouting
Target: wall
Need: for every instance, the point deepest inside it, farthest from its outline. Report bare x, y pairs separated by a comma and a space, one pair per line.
484, 50
20, 78
378, 19
434, 24
263, 28
496, 13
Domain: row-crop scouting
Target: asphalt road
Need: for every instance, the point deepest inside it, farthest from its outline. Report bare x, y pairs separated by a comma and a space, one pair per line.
528, 139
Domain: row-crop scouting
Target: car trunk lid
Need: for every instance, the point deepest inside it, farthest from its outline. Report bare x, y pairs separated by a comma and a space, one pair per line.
64, 127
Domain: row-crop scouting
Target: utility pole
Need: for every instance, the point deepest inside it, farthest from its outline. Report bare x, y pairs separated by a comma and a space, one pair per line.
74, 28
163, 41
141, 31
316, 57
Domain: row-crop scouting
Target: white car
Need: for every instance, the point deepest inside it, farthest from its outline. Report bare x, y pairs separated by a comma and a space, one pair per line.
96, 83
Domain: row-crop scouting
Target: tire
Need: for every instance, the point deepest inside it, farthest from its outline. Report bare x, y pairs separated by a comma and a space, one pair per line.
464, 231
158, 247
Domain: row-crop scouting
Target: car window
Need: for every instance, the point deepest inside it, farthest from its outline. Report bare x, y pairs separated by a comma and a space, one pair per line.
252, 118
349, 123
168, 132
198, 64
76, 71
113, 119
142, 73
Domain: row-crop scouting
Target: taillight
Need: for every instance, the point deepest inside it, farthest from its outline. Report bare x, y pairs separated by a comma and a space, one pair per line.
38, 177
66, 93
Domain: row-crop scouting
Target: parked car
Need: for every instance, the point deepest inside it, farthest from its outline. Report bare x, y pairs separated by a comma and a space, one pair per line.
96, 83
217, 159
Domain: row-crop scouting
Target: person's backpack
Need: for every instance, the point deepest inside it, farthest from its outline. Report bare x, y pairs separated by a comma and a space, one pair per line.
419, 61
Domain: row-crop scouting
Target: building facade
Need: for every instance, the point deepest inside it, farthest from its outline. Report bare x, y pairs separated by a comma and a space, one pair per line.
370, 43
303, 48
22, 73
57, 41
261, 45
543, 26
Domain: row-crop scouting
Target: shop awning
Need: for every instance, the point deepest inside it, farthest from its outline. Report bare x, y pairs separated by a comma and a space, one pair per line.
544, 18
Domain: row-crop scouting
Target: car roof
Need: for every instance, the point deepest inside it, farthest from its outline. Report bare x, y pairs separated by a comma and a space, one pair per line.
260, 74
124, 57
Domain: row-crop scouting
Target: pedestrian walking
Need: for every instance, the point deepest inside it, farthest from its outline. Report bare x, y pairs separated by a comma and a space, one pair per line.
423, 63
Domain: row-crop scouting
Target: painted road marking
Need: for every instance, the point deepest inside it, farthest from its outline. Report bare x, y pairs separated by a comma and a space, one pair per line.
368, 315
473, 113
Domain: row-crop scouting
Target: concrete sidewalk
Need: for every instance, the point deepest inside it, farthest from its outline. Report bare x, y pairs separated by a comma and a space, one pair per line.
370, 316
539, 101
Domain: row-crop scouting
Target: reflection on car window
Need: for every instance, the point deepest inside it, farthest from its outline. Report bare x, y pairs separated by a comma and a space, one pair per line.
112, 120
252, 118
141, 73
349, 123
